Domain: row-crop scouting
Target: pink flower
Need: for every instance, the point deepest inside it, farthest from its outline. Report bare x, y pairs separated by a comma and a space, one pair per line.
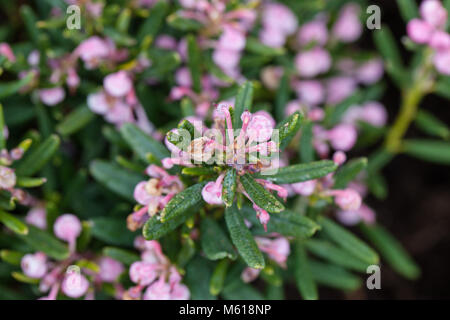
305, 188
339, 157
7, 178
167, 42
353, 217
310, 92
312, 62
180, 292
347, 199
271, 76
33, 58
441, 61
342, 137
34, 265
183, 77
117, 84
226, 59
37, 217
374, 113
74, 285
272, 37
67, 227
212, 191
293, 106
260, 127
52, 96
313, 31
370, 71
110, 269
440, 40
434, 13
338, 88
348, 28
250, 274
158, 291
277, 249
143, 273
6, 51
419, 31
231, 39
280, 17
92, 51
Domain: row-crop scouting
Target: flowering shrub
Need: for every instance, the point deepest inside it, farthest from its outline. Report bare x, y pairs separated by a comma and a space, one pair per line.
201, 146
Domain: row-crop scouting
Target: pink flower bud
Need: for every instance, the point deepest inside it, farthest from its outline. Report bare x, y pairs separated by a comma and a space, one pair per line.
441, 61
313, 32
180, 292
293, 106
117, 84
167, 42
280, 17
278, 249
53, 96
419, 31
33, 58
34, 265
347, 199
310, 92
141, 195
260, 127
305, 188
312, 62
110, 269
73, 80
374, 113
226, 59
338, 88
6, 51
74, 285
272, 37
440, 40
37, 217
67, 227
183, 77
143, 273
250, 274
7, 178
92, 51
212, 193
348, 28
353, 217
339, 157
316, 114
98, 103
263, 216
434, 13
157, 291
370, 72
231, 39
343, 137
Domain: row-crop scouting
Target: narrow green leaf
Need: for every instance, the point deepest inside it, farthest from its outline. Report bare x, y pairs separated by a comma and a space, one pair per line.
215, 243
10, 88
153, 22
183, 24
432, 125
243, 239
303, 277
154, 229
243, 102
122, 255
229, 187
391, 250
306, 149
194, 62
12, 257
35, 160
218, 277
182, 202
198, 171
262, 198
186, 253
408, 9
288, 128
112, 230
339, 110
348, 172
198, 277
428, 150
349, 242
13, 223
378, 185
302, 172
282, 97
75, 120
2, 127
237, 290
41, 240
19, 276
255, 46
118, 180
334, 276
27, 182
142, 143
329, 252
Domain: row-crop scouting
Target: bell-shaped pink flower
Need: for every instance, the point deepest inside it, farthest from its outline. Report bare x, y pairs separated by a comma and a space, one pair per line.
52, 96
419, 31
305, 188
312, 62
74, 285
340, 87
7, 178
92, 51
313, 32
272, 37
143, 273
374, 113
110, 269
231, 39
280, 17
441, 61
37, 217
353, 217
117, 84
260, 127
348, 27
343, 137
339, 157
347, 199
67, 227
183, 77
165, 41
159, 290
433, 13
370, 71
6, 51
310, 92
180, 292
440, 40
212, 191
34, 265
226, 59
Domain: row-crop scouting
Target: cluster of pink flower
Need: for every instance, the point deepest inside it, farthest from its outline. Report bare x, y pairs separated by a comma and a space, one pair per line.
153, 195
430, 30
155, 274
64, 275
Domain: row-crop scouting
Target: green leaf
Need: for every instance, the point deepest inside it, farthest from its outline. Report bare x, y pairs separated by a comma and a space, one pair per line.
260, 196
303, 276
215, 243
118, 180
253, 45
329, 252
282, 97
122, 255
339, 110
194, 62
349, 242
391, 250
186, 252
287, 223
12, 257
408, 9
432, 125
75, 120
182, 202
153, 22
41, 240
243, 239
306, 149
35, 160
27, 182
218, 277
19, 276
229, 187
243, 102
9, 88
112, 230
334, 276
301, 172
237, 290
288, 128
198, 171
378, 185
142, 143
198, 277
348, 172
183, 24
428, 150
441, 87
2, 127
13, 223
